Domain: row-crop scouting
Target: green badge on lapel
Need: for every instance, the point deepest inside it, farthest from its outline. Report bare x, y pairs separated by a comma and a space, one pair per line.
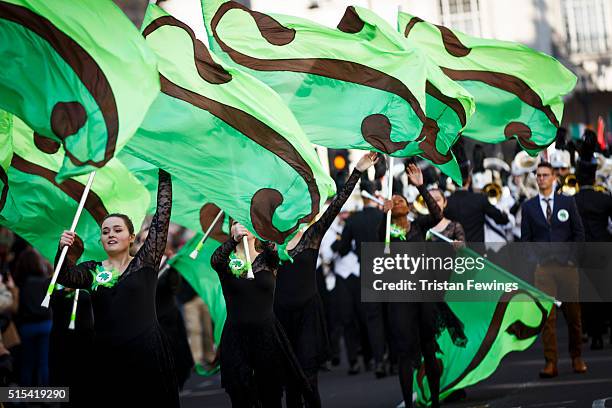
563, 215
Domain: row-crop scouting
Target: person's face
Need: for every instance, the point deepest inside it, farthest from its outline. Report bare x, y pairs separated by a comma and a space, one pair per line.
544, 178
439, 198
400, 206
116, 237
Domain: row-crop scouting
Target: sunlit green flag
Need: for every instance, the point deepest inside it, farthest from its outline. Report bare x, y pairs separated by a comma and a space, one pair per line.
78, 73
228, 136
518, 91
495, 324
7, 206
46, 208
355, 86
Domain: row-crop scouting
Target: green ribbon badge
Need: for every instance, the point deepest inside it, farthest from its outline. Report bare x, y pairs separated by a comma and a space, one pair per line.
104, 277
398, 232
237, 265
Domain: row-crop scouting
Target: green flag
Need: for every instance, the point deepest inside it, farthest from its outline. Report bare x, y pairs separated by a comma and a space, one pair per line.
228, 136
78, 73
518, 91
200, 274
355, 86
46, 207
8, 210
495, 324
187, 203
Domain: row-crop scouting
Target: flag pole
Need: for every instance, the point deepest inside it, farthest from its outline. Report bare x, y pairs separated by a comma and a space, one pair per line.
71, 326
194, 254
390, 196
60, 262
247, 253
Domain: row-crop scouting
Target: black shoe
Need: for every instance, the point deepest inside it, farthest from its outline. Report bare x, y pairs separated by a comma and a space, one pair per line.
597, 343
335, 361
380, 371
354, 368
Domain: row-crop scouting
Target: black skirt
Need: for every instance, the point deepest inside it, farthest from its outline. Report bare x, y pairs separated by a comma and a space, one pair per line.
414, 324
256, 357
138, 373
307, 331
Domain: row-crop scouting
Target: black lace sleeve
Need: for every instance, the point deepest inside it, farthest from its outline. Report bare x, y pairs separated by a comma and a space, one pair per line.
152, 250
313, 236
220, 258
75, 276
271, 257
425, 222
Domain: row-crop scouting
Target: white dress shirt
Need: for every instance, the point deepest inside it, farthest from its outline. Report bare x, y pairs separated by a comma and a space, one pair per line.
543, 198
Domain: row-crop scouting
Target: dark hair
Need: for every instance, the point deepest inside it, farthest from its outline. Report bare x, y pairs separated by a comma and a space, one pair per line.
545, 164
28, 264
125, 218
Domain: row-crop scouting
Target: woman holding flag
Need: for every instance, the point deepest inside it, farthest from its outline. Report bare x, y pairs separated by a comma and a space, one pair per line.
256, 357
131, 363
297, 303
415, 326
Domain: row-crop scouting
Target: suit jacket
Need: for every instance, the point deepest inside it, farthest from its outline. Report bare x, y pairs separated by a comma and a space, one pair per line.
534, 227
360, 227
469, 210
595, 209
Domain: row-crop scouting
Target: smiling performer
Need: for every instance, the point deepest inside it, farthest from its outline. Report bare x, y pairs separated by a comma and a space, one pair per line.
297, 303
131, 360
415, 326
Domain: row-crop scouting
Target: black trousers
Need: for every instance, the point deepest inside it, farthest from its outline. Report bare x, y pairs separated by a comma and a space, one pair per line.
362, 321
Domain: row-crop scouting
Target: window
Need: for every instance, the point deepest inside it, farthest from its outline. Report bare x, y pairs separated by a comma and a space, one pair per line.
461, 15
587, 25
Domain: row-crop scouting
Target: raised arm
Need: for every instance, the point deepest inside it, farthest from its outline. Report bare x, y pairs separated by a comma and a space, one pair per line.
152, 250
435, 213
220, 258
313, 235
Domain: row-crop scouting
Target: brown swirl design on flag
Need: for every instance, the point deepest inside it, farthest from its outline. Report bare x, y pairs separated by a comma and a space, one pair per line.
275, 33
208, 213
518, 329
74, 189
67, 118
505, 82
265, 201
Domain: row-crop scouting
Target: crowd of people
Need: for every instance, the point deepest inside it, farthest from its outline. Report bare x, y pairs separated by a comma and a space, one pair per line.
143, 329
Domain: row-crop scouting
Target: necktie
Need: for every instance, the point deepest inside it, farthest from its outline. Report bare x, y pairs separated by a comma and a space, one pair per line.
548, 210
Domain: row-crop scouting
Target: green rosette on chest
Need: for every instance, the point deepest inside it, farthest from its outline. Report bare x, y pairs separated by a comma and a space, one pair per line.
104, 277
398, 232
238, 266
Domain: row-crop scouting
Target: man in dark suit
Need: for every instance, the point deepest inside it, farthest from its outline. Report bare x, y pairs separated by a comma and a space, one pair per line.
469, 209
595, 208
550, 217
361, 227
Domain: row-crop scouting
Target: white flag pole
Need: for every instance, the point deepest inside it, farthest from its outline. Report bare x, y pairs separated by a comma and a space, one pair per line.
247, 253
390, 196
47, 299
194, 254
71, 326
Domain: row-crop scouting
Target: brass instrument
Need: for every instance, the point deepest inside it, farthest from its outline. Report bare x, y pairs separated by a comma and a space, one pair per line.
420, 206
493, 191
569, 185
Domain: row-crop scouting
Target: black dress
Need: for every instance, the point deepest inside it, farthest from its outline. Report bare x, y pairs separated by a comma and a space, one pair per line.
131, 363
69, 350
412, 323
172, 323
297, 302
256, 357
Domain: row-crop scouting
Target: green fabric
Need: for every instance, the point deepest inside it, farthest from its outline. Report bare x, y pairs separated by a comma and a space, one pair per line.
186, 201
488, 324
228, 136
46, 210
539, 83
8, 211
203, 278
78, 73
343, 84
